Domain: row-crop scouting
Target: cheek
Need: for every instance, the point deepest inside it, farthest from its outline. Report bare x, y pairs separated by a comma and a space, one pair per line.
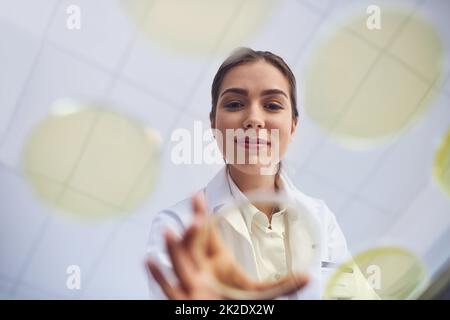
285, 139
222, 123
227, 121
284, 135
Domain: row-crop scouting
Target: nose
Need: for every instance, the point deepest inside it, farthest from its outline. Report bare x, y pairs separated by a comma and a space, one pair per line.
254, 119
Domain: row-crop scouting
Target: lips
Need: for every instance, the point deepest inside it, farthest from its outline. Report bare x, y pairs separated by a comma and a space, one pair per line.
249, 142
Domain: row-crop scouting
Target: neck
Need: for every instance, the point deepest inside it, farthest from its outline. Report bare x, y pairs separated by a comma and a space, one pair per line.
251, 182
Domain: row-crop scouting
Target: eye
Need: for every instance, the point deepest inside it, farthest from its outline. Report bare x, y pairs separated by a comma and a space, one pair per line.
234, 105
273, 106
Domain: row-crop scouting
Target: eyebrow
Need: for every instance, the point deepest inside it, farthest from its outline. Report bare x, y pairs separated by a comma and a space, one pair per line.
244, 92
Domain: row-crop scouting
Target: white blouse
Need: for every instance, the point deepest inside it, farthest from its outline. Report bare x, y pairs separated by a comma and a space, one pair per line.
269, 239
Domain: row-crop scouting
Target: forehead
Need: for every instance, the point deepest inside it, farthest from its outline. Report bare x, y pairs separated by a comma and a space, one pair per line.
255, 76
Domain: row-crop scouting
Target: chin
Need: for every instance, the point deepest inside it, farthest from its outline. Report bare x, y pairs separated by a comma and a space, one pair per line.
254, 169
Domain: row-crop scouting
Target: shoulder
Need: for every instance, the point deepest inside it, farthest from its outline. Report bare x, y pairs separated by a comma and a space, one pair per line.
179, 213
335, 245
318, 207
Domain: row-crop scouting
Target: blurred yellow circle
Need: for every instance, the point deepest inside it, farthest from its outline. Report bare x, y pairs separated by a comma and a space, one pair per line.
90, 161
441, 169
199, 26
388, 273
364, 85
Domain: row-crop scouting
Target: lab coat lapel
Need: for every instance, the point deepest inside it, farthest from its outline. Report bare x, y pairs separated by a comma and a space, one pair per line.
298, 239
218, 196
297, 228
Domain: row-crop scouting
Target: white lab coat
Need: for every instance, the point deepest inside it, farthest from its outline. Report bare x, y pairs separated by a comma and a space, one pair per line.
178, 217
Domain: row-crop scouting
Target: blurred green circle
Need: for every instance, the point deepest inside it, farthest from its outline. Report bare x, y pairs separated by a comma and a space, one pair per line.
441, 168
90, 161
364, 86
199, 26
387, 273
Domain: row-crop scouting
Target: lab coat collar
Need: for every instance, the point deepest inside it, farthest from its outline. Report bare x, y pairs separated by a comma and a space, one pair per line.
217, 194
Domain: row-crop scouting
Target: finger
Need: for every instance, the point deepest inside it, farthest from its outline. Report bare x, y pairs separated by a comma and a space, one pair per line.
199, 206
168, 289
193, 244
181, 262
215, 241
238, 278
190, 234
209, 237
201, 240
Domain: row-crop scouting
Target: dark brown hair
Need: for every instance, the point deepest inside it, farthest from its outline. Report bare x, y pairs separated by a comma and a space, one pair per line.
246, 55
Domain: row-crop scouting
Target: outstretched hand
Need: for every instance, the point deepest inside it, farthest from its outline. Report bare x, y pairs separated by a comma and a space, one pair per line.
200, 259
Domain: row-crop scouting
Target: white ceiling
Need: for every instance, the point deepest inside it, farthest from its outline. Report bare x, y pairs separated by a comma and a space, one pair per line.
378, 194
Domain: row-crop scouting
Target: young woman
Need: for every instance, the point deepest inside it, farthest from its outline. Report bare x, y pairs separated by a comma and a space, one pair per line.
252, 92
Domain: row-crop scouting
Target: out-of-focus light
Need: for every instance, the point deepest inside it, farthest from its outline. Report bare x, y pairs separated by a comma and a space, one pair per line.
90, 161
388, 273
364, 86
199, 26
441, 168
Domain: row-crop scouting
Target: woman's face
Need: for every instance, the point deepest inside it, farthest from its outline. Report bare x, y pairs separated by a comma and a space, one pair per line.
254, 97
